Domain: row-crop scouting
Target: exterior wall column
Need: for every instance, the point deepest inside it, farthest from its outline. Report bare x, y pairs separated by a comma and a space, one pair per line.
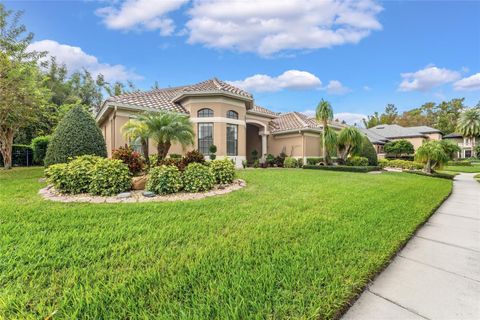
264, 146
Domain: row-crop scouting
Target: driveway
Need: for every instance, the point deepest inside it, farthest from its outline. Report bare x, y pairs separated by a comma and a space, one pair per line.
437, 274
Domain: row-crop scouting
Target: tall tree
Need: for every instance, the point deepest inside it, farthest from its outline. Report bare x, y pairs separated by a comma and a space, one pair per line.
469, 125
389, 115
371, 121
324, 114
350, 141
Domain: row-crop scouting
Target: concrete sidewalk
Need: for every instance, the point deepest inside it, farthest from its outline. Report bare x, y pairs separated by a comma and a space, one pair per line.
437, 275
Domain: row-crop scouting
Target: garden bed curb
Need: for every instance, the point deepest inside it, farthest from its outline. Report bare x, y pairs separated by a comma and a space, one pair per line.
49, 193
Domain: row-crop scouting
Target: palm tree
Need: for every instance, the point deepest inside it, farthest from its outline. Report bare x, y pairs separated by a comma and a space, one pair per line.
350, 141
432, 154
166, 128
324, 113
469, 125
137, 130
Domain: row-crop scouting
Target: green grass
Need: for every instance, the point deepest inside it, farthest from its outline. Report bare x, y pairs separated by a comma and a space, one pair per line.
292, 244
468, 169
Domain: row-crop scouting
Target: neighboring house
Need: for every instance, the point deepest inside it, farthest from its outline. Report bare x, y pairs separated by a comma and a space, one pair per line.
465, 144
223, 115
381, 134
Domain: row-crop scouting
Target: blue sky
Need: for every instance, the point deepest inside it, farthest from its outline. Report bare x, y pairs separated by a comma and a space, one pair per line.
358, 55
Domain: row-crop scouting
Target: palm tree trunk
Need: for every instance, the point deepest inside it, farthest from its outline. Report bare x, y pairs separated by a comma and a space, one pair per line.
324, 145
166, 148
145, 151
159, 152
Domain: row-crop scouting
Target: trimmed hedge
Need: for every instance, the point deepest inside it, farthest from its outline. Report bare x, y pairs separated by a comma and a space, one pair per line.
433, 174
401, 164
314, 161
110, 177
198, 177
223, 170
356, 161
164, 180
77, 134
39, 147
344, 168
290, 162
464, 163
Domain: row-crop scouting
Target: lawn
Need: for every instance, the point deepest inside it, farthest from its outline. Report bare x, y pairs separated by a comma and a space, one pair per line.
292, 244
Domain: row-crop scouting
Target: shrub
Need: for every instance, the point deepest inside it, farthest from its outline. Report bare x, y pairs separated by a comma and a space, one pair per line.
175, 156
368, 151
244, 163
314, 161
383, 163
433, 174
254, 155
280, 159
343, 168
401, 164
300, 162
164, 180
198, 177
270, 160
193, 156
290, 162
213, 150
131, 158
223, 170
110, 177
39, 147
57, 176
399, 147
72, 177
77, 134
357, 161
256, 163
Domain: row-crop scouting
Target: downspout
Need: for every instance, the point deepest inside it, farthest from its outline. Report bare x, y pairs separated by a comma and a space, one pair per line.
114, 127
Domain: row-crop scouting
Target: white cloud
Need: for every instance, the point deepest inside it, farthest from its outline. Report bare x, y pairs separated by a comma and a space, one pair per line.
367, 88
309, 113
75, 59
471, 83
336, 87
141, 14
350, 118
427, 78
274, 26
291, 79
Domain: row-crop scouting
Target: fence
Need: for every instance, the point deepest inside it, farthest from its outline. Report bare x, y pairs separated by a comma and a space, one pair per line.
22, 156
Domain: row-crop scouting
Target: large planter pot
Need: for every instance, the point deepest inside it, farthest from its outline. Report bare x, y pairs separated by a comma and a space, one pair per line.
138, 183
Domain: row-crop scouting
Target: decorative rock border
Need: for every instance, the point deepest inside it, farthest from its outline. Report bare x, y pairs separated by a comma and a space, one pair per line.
49, 193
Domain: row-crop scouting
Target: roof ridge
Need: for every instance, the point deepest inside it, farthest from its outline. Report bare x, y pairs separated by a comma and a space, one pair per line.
305, 124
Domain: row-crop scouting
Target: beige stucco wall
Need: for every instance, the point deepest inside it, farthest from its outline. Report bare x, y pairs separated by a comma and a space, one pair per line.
313, 146
434, 136
291, 144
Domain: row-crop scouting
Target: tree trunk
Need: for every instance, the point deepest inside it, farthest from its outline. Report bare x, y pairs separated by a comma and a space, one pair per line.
159, 152
428, 167
166, 148
145, 151
6, 143
473, 148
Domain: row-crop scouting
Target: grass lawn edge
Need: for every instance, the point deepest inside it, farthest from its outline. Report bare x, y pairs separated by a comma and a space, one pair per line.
357, 295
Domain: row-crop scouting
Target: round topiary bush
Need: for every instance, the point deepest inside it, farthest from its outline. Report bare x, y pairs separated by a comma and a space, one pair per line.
368, 151
77, 134
197, 177
223, 170
164, 180
290, 162
110, 177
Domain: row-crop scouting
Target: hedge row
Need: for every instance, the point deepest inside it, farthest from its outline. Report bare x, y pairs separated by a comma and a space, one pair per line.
433, 174
343, 168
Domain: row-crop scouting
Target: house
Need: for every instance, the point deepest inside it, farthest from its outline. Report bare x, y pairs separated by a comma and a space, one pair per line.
381, 134
465, 144
223, 115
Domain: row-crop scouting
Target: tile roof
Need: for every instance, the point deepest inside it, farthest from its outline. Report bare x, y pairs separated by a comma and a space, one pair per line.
373, 136
453, 136
395, 131
258, 109
165, 98
293, 121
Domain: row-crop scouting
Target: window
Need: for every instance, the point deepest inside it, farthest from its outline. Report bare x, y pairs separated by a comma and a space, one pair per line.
136, 145
204, 113
232, 139
205, 137
232, 114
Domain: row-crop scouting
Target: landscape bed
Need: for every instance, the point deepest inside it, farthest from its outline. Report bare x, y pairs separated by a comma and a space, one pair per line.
292, 244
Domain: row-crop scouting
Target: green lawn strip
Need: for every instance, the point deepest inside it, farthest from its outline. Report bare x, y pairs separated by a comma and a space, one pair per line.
292, 244
468, 169
477, 177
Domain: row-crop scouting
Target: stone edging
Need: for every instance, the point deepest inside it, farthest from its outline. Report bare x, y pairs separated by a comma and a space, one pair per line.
49, 193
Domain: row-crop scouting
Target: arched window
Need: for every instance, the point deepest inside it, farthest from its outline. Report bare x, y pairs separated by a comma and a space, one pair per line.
232, 114
204, 113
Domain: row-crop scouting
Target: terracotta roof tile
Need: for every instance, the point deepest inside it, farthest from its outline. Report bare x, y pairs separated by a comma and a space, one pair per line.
263, 110
293, 121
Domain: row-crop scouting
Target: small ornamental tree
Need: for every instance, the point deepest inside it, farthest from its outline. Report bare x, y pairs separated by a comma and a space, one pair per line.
77, 134
399, 147
350, 141
368, 151
432, 155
